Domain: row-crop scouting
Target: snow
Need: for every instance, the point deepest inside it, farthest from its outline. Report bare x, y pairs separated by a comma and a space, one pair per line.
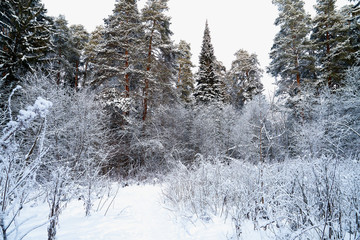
137, 213
40, 107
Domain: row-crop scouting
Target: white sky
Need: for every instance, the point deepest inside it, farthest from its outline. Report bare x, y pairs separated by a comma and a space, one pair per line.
234, 24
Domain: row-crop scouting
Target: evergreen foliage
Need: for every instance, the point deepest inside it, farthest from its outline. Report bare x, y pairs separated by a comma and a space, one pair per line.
209, 87
291, 59
91, 50
24, 39
331, 42
80, 37
160, 57
185, 81
68, 44
244, 78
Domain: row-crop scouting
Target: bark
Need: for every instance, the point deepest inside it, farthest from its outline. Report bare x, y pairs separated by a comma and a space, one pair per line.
58, 73
179, 76
77, 75
85, 72
127, 80
328, 53
146, 88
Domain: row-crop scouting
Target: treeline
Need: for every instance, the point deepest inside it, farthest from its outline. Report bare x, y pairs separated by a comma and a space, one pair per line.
136, 72
131, 64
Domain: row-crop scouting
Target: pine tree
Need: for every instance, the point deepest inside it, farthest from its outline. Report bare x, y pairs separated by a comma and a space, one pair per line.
119, 56
330, 43
351, 47
64, 52
209, 87
185, 81
91, 50
159, 49
79, 37
24, 39
291, 62
244, 78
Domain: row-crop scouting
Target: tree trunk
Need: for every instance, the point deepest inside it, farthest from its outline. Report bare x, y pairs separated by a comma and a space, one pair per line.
76, 75
58, 73
85, 72
179, 76
127, 80
146, 88
328, 53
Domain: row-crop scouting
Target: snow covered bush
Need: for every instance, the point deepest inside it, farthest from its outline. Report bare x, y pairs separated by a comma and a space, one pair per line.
77, 140
19, 169
230, 190
211, 129
318, 199
330, 121
259, 132
295, 199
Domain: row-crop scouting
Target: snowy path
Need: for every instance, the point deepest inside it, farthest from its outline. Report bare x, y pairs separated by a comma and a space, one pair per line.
135, 214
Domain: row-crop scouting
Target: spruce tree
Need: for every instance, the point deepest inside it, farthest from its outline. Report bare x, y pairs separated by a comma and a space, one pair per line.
24, 39
209, 88
185, 82
244, 78
291, 62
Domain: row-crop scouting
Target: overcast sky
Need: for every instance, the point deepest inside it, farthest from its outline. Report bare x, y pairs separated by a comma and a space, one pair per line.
234, 24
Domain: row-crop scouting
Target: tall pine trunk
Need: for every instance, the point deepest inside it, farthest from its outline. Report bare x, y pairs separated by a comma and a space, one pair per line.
148, 68
58, 73
76, 75
127, 80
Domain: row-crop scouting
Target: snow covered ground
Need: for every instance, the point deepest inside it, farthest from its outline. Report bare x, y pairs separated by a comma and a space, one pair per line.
136, 213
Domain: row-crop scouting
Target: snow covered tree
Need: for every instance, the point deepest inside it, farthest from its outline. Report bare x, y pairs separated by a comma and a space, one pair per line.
19, 165
74, 159
244, 78
159, 47
351, 46
185, 81
120, 54
79, 37
91, 49
68, 44
24, 39
65, 53
330, 43
209, 87
220, 72
291, 62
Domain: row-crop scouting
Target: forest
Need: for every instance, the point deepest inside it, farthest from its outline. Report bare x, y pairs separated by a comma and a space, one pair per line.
125, 104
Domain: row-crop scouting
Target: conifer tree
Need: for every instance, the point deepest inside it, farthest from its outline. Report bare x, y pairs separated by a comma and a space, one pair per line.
330, 43
220, 72
65, 52
91, 50
119, 56
209, 88
24, 39
244, 78
159, 49
185, 81
79, 37
291, 62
